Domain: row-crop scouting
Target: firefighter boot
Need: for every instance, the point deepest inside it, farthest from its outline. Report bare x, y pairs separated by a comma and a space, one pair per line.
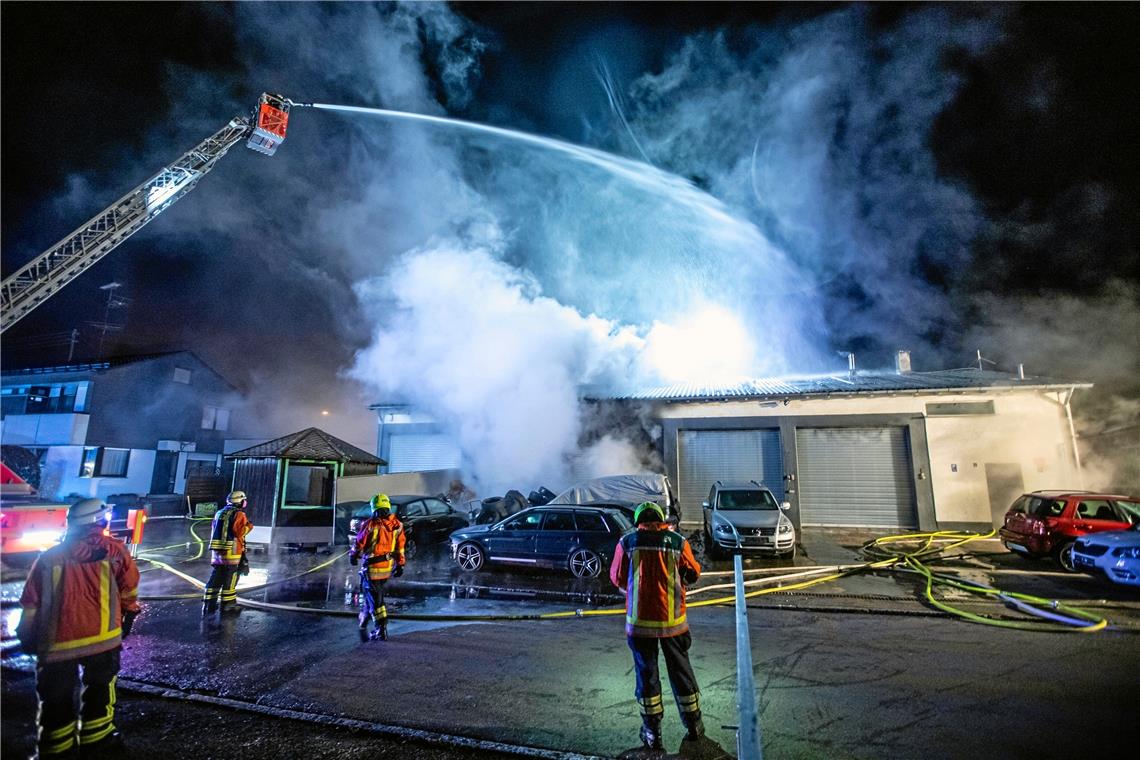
381, 632
694, 726
651, 732
209, 607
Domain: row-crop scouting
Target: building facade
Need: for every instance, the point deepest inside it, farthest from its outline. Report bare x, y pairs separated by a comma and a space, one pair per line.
932, 450
139, 424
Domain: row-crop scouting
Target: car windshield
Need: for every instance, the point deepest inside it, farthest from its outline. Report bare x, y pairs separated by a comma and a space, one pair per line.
750, 499
1131, 510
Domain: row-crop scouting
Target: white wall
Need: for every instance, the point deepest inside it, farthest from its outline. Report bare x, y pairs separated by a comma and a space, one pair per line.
44, 429
59, 477
1028, 429
364, 487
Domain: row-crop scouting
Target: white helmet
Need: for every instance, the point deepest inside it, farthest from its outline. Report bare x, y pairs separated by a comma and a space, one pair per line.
87, 512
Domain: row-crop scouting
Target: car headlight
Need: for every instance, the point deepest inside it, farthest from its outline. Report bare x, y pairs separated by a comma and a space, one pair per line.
785, 527
1128, 552
724, 528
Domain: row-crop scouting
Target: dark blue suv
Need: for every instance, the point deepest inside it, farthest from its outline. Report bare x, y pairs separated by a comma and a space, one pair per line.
559, 536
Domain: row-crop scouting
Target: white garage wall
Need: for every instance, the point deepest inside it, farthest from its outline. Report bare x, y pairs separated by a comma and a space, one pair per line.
1025, 430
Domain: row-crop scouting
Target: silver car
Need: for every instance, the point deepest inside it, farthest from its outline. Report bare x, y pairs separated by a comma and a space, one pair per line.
747, 509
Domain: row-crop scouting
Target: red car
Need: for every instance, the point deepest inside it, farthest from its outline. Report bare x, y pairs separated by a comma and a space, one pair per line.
1048, 522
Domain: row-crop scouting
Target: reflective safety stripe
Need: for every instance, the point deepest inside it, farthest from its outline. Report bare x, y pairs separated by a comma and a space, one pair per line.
689, 703
652, 705
99, 728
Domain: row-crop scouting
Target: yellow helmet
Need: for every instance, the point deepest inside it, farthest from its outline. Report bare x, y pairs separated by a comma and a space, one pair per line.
236, 498
380, 503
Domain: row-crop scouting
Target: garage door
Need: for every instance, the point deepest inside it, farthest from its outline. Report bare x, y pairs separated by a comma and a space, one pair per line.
855, 476
706, 456
417, 452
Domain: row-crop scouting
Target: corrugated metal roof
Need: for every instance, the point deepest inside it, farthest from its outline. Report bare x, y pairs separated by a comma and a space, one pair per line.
310, 443
843, 383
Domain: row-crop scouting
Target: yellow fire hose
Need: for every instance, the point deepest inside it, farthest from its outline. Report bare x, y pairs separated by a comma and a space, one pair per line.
1059, 617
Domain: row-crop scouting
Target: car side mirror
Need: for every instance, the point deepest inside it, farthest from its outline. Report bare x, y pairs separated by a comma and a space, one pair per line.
785, 505
705, 504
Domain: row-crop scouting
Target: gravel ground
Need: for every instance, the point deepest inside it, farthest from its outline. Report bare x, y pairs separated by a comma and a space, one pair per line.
158, 727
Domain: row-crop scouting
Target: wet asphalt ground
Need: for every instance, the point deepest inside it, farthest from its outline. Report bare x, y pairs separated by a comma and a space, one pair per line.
859, 667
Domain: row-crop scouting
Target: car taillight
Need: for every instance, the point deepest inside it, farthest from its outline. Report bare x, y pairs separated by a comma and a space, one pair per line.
1040, 527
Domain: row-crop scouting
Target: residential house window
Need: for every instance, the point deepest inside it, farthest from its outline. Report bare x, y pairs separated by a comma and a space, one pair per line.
46, 399
104, 462
215, 418
201, 467
181, 375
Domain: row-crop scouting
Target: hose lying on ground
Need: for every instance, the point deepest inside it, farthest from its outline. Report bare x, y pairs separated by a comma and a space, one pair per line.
1055, 617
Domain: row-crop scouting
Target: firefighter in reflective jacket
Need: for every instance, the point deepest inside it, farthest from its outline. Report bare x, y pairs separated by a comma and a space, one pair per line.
379, 544
80, 600
227, 554
652, 565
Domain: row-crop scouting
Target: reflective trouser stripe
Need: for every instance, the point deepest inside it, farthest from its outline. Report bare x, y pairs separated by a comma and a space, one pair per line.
229, 593
92, 730
689, 703
381, 614
56, 741
651, 705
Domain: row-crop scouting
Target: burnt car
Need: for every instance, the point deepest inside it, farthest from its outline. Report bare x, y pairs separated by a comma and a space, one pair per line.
1047, 523
427, 520
559, 536
624, 492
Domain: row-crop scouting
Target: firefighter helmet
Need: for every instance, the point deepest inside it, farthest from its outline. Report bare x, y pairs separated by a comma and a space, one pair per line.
88, 512
237, 498
381, 503
657, 514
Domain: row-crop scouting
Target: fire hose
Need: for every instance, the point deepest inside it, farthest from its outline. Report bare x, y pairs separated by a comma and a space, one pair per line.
883, 553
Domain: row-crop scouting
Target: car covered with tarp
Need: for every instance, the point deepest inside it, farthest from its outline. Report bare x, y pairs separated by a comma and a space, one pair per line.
624, 491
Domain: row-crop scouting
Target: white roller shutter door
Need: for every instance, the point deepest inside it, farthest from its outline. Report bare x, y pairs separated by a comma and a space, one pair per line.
855, 476
417, 452
706, 456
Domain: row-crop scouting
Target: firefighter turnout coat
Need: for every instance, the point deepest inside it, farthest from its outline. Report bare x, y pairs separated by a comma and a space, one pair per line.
651, 566
227, 536
75, 597
380, 545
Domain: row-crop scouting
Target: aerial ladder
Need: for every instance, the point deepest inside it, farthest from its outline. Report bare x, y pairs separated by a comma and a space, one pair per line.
45, 275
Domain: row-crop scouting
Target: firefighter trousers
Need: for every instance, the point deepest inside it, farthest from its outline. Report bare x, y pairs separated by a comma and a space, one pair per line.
57, 730
681, 678
371, 600
223, 580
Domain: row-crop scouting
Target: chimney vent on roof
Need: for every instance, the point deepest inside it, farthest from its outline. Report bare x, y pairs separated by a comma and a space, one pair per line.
851, 365
902, 362
1020, 371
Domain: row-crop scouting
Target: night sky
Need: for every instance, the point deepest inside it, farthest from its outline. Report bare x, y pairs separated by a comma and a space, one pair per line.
945, 179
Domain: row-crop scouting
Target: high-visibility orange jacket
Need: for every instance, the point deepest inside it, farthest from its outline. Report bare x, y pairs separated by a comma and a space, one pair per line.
380, 544
227, 536
75, 597
651, 566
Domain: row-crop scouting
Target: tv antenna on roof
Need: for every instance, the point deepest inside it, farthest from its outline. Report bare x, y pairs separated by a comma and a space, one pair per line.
984, 359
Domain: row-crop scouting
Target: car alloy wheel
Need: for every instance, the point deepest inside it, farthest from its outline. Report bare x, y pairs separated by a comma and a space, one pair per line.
469, 557
585, 564
410, 548
1064, 557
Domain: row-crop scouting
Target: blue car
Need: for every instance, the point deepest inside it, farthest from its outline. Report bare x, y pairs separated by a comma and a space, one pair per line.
560, 536
1114, 553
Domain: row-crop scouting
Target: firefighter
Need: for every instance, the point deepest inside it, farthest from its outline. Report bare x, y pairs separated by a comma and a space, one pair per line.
227, 554
379, 545
80, 601
652, 567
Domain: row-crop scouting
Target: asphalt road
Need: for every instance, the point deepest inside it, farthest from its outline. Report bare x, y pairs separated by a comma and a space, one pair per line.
860, 670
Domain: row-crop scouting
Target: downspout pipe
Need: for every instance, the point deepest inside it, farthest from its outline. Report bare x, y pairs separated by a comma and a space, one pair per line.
1073, 436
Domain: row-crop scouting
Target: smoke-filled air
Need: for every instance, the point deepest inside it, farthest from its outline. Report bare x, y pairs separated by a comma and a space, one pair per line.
489, 237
